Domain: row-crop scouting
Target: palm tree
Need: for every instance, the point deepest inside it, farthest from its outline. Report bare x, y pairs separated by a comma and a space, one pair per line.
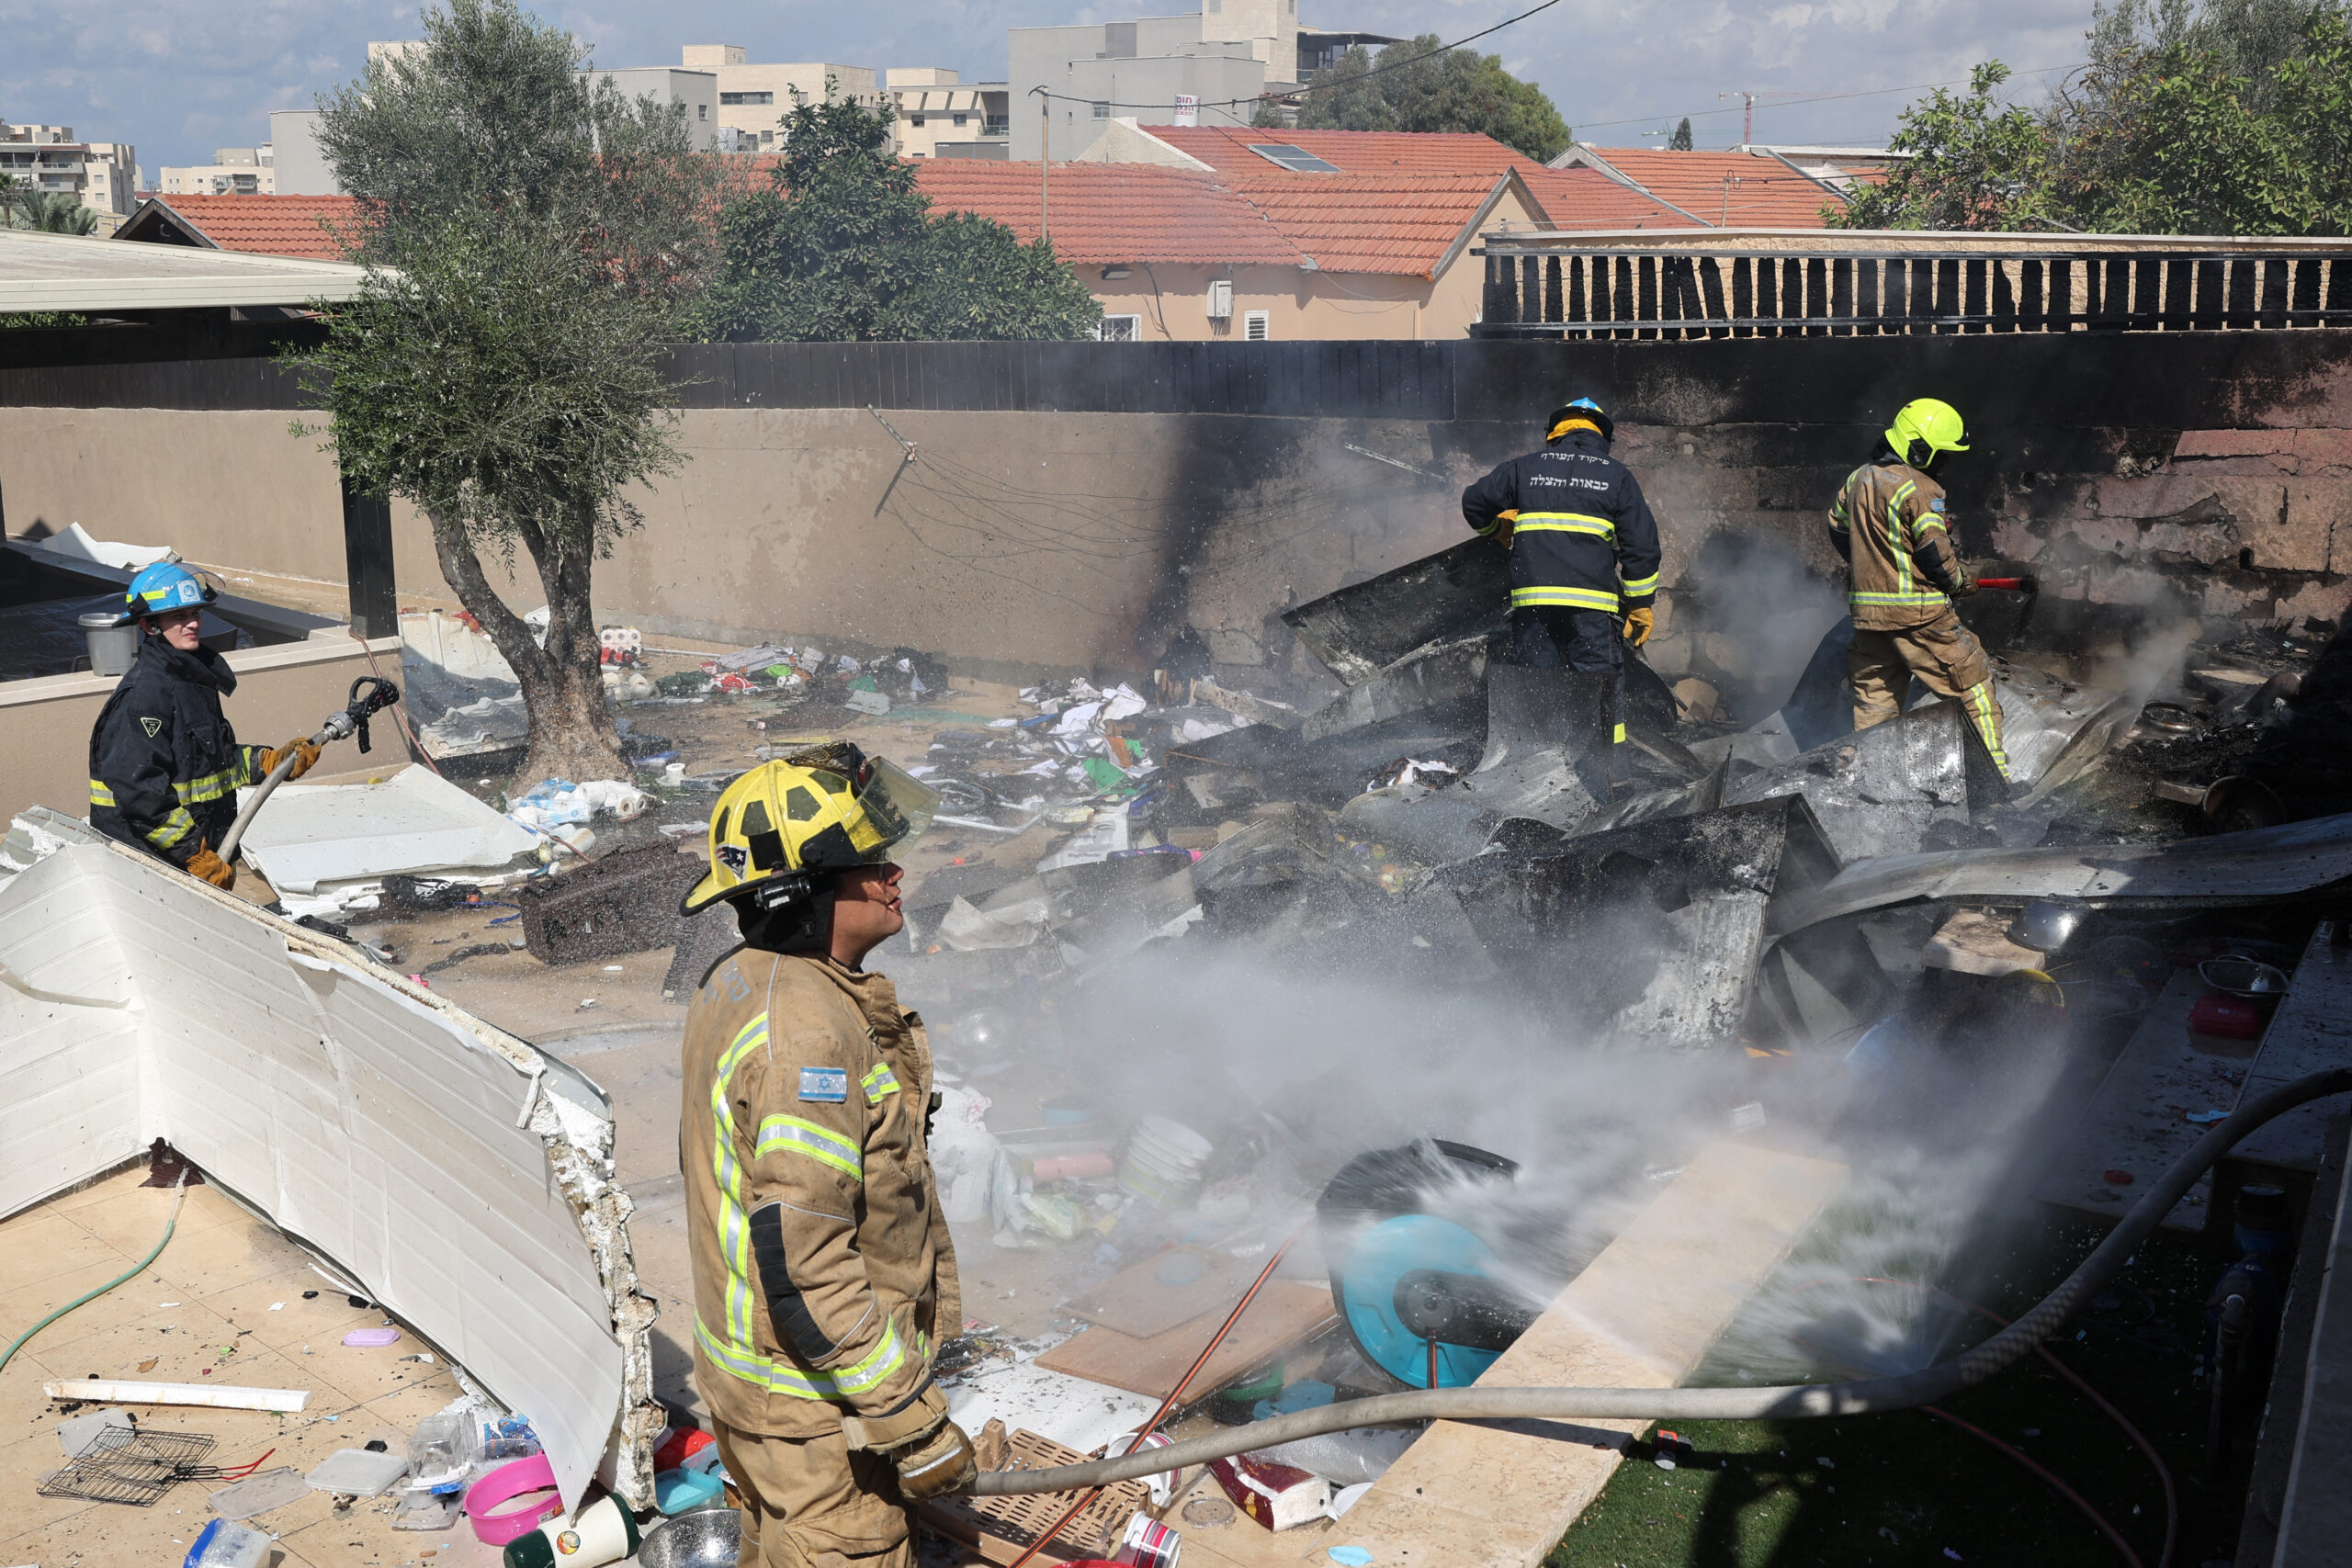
50, 212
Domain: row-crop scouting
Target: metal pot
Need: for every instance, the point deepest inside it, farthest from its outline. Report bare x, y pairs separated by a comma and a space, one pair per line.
2047, 925
2244, 977
700, 1538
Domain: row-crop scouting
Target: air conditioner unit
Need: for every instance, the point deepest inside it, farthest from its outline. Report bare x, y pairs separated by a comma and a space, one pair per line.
1221, 299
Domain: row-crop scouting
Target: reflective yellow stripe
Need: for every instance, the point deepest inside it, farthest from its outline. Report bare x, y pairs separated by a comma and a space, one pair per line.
734, 1229
879, 1082
1912, 601
212, 786
1566, 522
1898, 538
175, 827
1621, 735
739, 1360
790, 1133
1986, 716
1570, 598
1642, 585
99, 793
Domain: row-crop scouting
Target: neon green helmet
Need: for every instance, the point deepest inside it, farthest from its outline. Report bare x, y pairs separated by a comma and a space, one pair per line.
1925, 427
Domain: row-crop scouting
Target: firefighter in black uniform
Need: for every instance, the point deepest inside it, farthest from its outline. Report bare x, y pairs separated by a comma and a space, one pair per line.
1584, 550
164, 763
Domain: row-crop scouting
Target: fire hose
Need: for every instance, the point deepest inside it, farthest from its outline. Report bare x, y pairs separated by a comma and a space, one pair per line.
1858, 1397
352, 721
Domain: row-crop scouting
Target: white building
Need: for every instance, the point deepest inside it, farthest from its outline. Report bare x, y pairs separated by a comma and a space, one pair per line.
940, 117
753, 99
1210, 67
101, 175
234, 171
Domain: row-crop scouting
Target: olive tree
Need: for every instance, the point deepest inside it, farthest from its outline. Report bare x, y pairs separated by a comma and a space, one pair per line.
533, 239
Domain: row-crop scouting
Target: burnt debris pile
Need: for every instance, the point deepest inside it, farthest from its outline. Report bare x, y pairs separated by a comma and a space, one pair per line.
1454, 823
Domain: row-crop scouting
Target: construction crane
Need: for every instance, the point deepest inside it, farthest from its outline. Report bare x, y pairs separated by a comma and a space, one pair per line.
1748, 110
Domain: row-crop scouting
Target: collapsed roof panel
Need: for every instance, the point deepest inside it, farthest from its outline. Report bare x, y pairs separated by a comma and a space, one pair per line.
1367, 625
464, 1179
2262, 866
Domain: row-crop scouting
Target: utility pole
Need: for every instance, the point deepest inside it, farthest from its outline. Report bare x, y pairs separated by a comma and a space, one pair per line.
1748, 110
1045, 159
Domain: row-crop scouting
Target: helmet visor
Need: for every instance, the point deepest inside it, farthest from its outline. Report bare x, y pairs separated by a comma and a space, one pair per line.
898, 806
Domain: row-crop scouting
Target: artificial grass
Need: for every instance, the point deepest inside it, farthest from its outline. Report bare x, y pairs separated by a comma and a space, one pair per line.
1907, 1488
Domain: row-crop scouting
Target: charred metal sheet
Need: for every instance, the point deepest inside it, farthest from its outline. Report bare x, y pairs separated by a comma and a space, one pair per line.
1534, 710
2054, 730
621, 903
1275, 886
1447, 683
1702, 794
1361, 629
1439, 827
1878, 791
1650, 932
2260, 867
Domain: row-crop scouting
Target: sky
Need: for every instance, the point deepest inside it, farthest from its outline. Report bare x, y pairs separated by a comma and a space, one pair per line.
179, 78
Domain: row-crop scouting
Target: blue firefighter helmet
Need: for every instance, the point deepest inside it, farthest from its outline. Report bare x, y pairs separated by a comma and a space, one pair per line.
1582, 408
166, 585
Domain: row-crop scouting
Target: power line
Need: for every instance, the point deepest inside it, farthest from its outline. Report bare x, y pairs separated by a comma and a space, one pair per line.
1817, 98
1312, 88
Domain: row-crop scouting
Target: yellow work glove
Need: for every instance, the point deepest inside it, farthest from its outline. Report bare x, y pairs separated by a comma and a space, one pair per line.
206, 866
1506, 525
306, 755
1638, 624
942, 1464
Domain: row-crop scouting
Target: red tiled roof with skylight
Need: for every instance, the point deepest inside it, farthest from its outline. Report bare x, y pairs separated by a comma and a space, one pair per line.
1226, 150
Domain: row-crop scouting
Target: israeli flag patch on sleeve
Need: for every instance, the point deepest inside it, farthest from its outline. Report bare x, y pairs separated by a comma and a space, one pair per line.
1936, 504
828, 1085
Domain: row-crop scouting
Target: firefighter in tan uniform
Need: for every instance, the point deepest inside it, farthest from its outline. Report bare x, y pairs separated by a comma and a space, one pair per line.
824, 1278
1889, 523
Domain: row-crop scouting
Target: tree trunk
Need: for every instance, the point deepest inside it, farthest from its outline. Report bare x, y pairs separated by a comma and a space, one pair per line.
571, 734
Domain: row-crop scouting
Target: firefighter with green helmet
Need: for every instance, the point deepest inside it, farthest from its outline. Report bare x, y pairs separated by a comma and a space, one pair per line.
1890, 522
824, 1275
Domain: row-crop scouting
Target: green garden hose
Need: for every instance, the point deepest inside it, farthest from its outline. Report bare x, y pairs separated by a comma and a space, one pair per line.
179, 1196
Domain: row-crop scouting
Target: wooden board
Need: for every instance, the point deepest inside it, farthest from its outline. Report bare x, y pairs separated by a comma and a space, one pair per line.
1285, 1314
1641, 1315
1141, 1302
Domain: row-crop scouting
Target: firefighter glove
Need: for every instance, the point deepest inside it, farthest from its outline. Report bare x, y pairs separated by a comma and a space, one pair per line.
1963, 581
907, 1426
1638, 624
305, 752
208, 867
1506, 525
941, 1464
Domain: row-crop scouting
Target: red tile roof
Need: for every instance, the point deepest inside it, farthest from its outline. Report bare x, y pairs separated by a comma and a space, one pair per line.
1104, 213
1588, 200
1351, 152
1737, 190
267, 225
1398, 223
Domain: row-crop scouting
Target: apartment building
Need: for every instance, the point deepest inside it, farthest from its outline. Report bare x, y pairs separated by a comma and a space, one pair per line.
753, 99
102, 176
1208, 68
941, 117
234, 171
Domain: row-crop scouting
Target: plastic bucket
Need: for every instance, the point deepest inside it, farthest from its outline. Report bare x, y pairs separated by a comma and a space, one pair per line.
112, 648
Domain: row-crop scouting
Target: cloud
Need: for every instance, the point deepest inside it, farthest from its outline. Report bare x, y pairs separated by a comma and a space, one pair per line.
176, 76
